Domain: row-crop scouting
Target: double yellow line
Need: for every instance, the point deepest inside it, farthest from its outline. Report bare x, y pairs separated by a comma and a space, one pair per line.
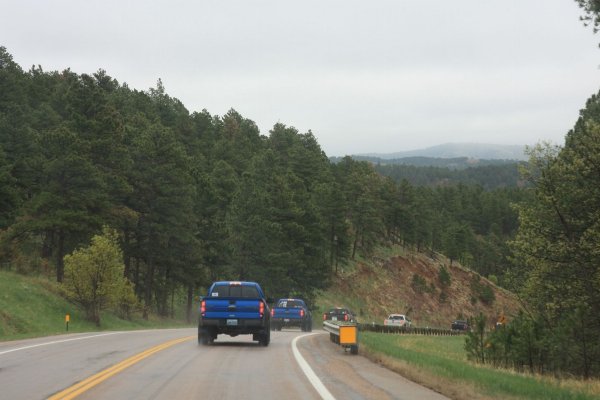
87, 384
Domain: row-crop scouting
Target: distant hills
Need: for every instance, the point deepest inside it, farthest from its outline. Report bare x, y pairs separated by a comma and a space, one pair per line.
477, 151
487, 165
456, 163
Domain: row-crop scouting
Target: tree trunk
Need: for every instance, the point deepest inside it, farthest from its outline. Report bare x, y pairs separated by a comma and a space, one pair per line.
60, 265
333, 243
190, 300
172, 302
148, 287
126, 254
136, 278
47, 245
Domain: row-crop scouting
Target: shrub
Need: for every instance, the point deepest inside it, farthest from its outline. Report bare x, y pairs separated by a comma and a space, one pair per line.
475, 341
94, 276
443, 297
127, 302
481, 292
419, 284
444, 276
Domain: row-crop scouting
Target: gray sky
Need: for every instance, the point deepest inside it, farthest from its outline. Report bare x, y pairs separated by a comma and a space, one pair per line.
364, 76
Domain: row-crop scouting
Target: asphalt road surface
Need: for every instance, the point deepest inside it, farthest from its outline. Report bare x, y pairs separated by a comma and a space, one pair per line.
169, 364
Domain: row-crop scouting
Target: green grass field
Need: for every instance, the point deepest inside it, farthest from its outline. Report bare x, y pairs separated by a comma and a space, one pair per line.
440, 362
31, 307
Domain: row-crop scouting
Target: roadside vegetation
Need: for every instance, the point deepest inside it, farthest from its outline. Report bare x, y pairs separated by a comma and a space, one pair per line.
195, 197
33, 307
440, 363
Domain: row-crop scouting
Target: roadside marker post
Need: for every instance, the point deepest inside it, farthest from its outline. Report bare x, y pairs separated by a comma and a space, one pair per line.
67, 319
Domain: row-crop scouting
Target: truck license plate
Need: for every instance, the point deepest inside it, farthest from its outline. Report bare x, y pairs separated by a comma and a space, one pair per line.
232, 322
286, 320
334, 318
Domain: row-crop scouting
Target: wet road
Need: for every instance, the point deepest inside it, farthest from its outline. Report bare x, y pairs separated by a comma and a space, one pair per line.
162, 364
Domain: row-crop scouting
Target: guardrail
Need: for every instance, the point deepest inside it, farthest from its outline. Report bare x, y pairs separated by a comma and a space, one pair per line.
343, 333
403, 330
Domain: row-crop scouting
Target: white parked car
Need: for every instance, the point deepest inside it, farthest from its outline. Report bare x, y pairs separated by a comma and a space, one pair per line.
397, 320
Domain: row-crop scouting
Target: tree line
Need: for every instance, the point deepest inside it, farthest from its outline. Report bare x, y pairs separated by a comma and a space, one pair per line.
556, 262
489, 177
556, 256
196, 197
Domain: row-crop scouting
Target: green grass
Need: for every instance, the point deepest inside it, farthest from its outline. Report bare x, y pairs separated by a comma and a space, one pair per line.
444, 357
31, 307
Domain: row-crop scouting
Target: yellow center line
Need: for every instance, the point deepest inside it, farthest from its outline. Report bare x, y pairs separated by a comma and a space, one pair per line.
88, 383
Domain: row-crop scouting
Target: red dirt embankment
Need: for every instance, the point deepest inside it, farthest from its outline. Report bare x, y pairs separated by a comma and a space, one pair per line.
411, 285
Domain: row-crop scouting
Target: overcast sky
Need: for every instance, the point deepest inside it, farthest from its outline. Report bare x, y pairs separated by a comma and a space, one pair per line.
364, 76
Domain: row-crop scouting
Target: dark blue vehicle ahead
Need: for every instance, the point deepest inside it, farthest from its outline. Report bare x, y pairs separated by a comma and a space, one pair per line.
234, 308
291, 312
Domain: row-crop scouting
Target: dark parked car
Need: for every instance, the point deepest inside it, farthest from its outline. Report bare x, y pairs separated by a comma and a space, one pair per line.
339, 314
460, 325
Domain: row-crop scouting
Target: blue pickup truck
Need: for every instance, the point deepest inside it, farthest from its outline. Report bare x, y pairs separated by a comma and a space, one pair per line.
234, 308
291, 312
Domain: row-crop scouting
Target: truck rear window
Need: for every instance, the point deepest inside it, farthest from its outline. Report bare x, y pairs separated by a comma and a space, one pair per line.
289, 304
235, 291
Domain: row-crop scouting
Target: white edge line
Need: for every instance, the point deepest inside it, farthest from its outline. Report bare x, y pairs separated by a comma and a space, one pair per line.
310, 374
69, 340
56, 341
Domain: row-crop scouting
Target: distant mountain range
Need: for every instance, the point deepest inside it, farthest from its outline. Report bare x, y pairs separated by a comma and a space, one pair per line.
478, 151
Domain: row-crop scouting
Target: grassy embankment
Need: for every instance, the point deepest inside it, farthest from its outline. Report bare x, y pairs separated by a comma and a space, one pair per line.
439, 362
31, 307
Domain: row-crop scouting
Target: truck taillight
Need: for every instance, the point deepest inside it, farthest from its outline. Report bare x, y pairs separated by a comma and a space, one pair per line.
302, 313
345, 317
324, 317
203, 308
261, 309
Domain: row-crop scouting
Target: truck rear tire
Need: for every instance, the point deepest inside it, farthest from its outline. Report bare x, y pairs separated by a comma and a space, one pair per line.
206, 336
203, 338
265, 338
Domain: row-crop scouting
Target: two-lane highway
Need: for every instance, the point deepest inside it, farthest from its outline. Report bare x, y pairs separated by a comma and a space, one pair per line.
121, 367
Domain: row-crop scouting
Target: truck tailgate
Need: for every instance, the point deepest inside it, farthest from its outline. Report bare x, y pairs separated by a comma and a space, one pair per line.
287, 313
232, 308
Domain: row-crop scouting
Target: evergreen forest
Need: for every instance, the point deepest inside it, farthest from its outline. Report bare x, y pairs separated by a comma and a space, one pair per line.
196, 197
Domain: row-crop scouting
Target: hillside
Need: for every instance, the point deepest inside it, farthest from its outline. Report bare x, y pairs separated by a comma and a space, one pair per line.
33, 306
386, 284
456, 163
454, 150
